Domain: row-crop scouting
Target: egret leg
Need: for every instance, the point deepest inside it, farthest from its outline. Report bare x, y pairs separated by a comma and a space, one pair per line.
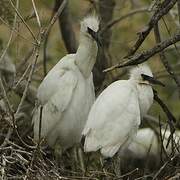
75, 158
81, 159
58, 151
117, 165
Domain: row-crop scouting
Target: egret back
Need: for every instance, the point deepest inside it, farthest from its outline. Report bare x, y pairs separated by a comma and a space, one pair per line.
113, 119
64, 93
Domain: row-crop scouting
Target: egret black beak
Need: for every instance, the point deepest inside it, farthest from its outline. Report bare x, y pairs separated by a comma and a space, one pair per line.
95, 36
152, 80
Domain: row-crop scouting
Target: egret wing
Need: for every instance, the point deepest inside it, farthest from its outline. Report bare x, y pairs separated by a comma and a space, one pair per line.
114, 117
54, 102
57, 78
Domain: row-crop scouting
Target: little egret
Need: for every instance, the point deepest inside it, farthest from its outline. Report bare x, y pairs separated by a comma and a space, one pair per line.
146, 148
148, 142
116, 114
67, 92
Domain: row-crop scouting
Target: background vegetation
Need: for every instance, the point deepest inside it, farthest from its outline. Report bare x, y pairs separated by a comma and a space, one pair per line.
24, 48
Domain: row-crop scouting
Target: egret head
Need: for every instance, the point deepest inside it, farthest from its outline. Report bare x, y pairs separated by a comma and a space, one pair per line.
90, 27
143, 74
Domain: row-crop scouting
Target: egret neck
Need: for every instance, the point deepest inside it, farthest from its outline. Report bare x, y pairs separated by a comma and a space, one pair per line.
86, 55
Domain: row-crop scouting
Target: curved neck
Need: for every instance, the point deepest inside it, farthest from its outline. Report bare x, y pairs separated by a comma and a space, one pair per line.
86, 55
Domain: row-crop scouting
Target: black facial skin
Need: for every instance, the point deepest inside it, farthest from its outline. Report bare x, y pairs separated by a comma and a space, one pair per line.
95, 36
151, 80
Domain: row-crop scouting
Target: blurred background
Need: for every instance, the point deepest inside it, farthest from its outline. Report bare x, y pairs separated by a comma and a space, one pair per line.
132, 17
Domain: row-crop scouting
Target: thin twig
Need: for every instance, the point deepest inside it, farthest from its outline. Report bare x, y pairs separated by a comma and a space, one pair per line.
59, 8
164, 59
40, 121
162, 10
25, 59
168, 30
170, 117
53, 20
22, 77
24, 22
36, 13
6, 100
16, 31
33, 65
12, 32
162, 168
115, 21
145, 55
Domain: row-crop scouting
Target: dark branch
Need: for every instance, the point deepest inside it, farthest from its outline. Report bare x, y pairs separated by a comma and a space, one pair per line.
106, 9
164, 59
65, 24
117, 20
170, 116
162, 10
145, 55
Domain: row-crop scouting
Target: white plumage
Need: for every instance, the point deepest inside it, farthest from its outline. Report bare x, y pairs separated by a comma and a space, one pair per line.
116, 114
67, 92
147, 142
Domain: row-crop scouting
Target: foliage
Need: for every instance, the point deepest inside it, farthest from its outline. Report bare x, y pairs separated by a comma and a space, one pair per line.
23, 158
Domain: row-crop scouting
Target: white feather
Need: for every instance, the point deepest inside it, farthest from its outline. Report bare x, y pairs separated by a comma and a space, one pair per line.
107, 126
115, 116
67, 94
90, 21
147, 142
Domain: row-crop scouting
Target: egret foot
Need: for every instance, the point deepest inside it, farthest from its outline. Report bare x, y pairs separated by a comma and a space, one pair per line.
81, 159
58, 151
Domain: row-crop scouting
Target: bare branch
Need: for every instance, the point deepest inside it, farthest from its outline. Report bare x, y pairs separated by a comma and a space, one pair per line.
115, 21
158, 14
16, 31
12, 32
31, 92
59, 10
36, 13
164, 60
145, 55
24, 22
53, 20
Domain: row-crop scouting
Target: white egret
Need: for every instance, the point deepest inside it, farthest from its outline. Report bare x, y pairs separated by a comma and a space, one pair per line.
116, 114
148, 142
67, 92
144, 144
146, 148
